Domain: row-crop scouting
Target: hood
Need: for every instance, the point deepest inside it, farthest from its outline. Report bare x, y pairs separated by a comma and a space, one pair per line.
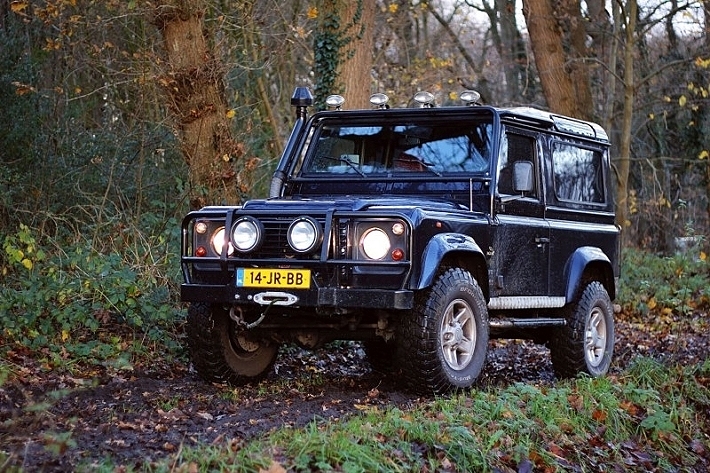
349, 204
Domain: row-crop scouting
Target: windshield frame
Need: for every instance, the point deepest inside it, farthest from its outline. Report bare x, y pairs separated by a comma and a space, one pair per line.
348, 168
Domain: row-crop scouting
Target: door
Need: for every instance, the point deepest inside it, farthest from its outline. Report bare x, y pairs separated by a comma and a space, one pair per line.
521, 235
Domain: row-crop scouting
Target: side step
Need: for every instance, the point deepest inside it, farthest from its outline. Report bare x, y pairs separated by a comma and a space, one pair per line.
535, 322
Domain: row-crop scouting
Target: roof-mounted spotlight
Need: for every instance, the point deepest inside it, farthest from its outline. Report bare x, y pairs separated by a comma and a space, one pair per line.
335, 101
424, 99
470, 97
379, 100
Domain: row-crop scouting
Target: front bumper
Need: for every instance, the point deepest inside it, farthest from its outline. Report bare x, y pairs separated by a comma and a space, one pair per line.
318, 298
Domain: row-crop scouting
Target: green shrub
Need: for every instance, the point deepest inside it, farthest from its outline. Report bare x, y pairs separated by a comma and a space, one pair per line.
78, 303
664, 285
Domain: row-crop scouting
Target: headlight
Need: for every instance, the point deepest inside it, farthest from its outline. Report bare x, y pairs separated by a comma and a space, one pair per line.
375, 243
218, 242
304, 235
247, 234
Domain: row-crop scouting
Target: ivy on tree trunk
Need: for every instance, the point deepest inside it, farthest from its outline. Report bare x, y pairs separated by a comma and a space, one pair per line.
194, 86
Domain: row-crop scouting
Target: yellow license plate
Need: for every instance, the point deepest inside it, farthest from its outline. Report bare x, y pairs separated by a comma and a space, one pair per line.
274, 278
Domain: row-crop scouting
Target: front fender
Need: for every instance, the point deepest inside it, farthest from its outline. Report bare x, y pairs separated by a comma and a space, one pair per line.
580, 260
436, 250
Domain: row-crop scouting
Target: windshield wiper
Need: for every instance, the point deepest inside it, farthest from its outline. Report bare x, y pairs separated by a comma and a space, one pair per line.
430, 167
346, 160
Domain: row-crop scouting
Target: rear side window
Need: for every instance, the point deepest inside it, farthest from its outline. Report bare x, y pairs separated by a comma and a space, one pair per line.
578, 173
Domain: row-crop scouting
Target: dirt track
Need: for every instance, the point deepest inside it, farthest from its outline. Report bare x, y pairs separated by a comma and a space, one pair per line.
135, 417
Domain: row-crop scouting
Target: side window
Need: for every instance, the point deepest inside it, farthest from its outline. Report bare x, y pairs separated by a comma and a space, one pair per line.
578, 173
514, 148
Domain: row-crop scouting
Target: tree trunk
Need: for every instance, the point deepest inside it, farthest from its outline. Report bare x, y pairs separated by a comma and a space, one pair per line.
196, 97
603, 31
355, 72
343, 50
509, 44
575, 28
550, 58
624, 161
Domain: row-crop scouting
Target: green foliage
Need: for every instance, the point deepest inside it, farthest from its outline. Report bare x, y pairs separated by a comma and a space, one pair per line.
19, 120
327, 44
58, 442
91, 194
664, 285
21, 251
76, 303
330, 48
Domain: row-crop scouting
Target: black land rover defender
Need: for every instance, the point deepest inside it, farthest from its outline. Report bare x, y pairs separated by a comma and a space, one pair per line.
419, 231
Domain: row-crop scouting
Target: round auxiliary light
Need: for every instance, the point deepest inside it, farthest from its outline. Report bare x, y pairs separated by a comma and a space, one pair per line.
304, 235
425, 99
201, 228
247, 234
375, 243
398, 228
218, 239
379, 100
335, 101
470, 97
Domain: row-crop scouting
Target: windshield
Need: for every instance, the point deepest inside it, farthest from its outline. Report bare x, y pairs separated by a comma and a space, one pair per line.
428, 147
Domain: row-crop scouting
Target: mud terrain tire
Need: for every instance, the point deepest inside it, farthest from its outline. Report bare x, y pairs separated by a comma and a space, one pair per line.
586, 343
442, 345
221, 355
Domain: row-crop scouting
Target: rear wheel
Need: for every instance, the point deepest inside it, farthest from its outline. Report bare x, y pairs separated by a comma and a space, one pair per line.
220, 352
442, 345
586, 343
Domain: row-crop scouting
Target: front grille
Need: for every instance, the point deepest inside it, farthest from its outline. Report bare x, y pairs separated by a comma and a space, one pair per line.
275, 243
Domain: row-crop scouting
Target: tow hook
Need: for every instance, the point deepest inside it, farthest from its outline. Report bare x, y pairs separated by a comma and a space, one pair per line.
237, 314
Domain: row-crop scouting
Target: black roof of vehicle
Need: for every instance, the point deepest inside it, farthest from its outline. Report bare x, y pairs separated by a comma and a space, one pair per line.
524, 116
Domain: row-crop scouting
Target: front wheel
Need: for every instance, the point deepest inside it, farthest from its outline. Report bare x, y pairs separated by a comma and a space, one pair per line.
220, 352
442, 345
586, 343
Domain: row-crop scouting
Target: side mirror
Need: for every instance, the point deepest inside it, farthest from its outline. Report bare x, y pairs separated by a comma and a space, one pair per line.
523, 174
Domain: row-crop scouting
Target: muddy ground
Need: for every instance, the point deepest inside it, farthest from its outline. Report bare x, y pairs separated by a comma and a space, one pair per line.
54, 422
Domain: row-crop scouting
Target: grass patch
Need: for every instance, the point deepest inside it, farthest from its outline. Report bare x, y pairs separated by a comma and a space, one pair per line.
653, 417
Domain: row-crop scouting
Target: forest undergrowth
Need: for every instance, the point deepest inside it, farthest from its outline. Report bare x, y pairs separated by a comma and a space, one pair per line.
94, 376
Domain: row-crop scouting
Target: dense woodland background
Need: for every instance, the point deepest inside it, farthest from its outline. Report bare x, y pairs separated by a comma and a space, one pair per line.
114, 111
118, 111
117, 117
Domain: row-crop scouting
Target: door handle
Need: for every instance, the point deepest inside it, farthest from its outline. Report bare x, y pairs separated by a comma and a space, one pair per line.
541, 241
